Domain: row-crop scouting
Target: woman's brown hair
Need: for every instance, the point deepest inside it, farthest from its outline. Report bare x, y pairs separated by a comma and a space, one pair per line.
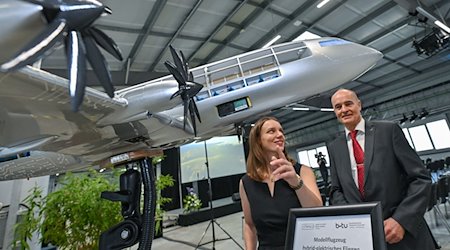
257, 159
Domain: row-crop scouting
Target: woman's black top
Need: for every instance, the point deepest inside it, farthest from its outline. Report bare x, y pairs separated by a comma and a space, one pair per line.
270, 214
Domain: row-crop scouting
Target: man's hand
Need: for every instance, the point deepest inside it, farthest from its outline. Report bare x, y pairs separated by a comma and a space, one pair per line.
393, 231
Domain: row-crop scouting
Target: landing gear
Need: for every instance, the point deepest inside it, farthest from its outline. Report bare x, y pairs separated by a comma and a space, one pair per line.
136, 226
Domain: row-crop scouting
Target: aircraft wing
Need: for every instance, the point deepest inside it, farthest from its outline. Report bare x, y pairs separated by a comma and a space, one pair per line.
35, 103
39, 163
44, 88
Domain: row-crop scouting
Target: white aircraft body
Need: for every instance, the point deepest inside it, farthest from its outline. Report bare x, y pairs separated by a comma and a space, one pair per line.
41, 135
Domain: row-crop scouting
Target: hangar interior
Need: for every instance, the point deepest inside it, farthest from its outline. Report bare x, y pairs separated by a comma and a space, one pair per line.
409, 85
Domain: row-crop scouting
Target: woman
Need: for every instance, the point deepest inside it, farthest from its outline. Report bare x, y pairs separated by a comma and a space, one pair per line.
273, 184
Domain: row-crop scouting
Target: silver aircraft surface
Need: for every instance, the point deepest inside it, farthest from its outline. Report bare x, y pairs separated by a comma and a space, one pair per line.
40, 134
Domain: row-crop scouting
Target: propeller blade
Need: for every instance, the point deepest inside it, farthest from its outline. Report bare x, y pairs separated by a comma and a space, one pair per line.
185, 113
193, 89
106, 43
177, 93
176, 74
77, 68
194, 105
178, 63
190, 77
187, 90
192, 115
99, 65
39, 46
185, 64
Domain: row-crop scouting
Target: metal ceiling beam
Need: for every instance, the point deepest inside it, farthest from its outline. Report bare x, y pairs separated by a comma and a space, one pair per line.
269, 9
148, 25
218, 28
249, 20
175, 35
393, 27
164, 34
151, 33
396, 46
306, 26
372, 15
263, 40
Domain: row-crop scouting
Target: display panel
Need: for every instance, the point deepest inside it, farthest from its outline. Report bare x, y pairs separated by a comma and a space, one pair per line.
233, 106
225, 157
358, 226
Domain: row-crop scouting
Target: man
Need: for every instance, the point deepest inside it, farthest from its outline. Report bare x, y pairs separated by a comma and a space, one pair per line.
322, 162
376, 163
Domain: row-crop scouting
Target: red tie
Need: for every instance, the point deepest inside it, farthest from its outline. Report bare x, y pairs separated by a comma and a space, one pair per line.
359, 157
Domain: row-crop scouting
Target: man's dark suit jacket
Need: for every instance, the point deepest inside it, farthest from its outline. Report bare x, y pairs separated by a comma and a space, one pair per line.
394, 175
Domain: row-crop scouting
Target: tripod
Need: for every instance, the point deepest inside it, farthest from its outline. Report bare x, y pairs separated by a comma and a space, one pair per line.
213, 221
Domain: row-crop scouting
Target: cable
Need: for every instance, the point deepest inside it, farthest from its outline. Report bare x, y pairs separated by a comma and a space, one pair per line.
148, 216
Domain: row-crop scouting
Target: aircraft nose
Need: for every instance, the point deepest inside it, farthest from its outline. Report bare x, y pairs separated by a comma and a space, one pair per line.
374, 54
364, 59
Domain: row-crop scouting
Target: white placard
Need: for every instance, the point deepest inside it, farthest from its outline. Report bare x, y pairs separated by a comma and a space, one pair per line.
343, 232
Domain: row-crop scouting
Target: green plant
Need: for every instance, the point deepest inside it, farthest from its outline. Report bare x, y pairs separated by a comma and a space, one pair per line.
72, 217
191, 202
29, 223
162, 182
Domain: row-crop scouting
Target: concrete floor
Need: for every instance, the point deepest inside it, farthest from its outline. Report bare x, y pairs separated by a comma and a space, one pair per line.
190, 237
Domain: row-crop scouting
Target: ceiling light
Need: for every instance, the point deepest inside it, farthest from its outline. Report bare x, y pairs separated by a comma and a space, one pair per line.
403, 120
433, 19
297, 23
300, 109
413, 117
321, 4
442, 26
327, 109
306, 36
272, 41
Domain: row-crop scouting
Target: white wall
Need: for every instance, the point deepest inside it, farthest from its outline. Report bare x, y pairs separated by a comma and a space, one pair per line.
12, 194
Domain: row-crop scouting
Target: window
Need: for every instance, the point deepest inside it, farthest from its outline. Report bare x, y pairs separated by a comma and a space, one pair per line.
193, 158
420, 138
432, 135
408, 137
440, 134
308, 157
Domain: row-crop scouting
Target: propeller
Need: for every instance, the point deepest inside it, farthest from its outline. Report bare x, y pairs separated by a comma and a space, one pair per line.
70, 21
187, 88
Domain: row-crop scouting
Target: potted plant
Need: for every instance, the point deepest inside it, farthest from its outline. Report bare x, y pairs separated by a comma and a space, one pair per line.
191, 202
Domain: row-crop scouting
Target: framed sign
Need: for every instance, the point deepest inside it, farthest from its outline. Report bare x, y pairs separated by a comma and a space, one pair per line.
344, 227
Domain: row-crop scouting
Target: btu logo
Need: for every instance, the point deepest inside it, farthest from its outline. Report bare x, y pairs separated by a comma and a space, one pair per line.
341, 225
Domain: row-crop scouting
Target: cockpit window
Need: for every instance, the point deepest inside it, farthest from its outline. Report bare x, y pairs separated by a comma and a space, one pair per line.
332, 42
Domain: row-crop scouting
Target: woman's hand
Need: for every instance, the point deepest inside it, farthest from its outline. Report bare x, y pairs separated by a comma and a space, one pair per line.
283, 169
